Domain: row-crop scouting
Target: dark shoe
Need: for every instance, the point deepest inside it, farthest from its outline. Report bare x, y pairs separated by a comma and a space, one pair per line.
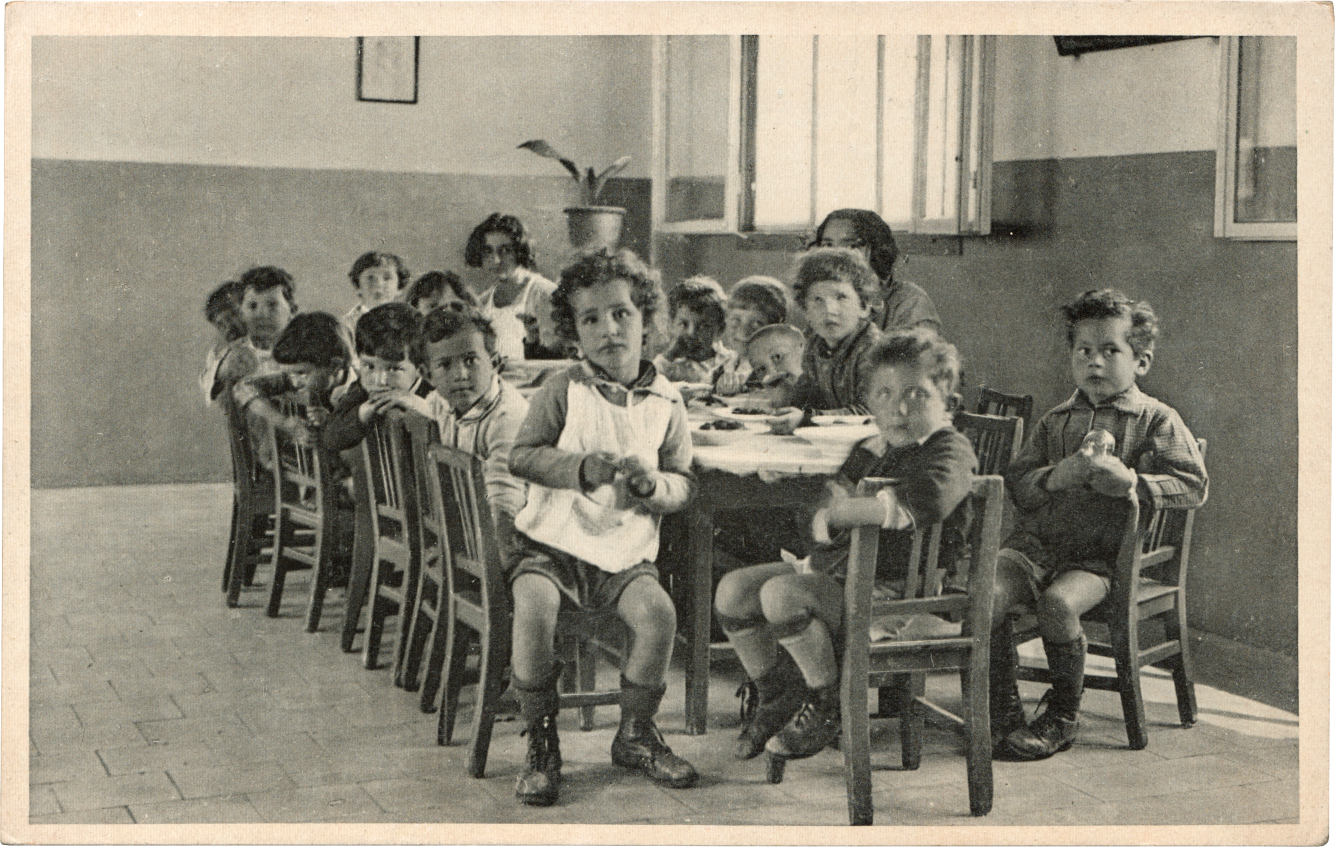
767, 704
540, 782
812, 729
1006, 711
1053, 731
639, 746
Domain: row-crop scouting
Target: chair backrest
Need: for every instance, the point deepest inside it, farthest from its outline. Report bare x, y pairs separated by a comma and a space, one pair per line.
923, 587
301, 474
992, 402
996, 440
459, 497
390, 478
246, 470
1159, 544
422, 433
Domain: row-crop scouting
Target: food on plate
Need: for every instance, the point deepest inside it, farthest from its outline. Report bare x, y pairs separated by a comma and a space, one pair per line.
728, 425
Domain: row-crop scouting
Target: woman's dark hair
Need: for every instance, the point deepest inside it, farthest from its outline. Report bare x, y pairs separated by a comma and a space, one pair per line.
434, 283
594, 268
525, 255
371, 260
390, 331
873, 233
311, 338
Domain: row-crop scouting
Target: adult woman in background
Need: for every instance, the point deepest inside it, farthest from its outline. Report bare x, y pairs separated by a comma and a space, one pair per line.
903, 305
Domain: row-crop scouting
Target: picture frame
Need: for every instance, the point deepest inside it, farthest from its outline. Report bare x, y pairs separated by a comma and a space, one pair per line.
1075, 45
387, 68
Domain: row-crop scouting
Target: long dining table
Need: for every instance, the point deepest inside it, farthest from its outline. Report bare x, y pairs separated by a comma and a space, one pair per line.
755, 471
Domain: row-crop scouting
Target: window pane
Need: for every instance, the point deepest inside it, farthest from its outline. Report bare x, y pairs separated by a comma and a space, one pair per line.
1267, 151
900, 67
943, 125
783, 131
697, 112
845, 122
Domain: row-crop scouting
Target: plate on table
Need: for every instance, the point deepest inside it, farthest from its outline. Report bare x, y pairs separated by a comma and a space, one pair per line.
840, 420
715, 432
753, 414
694, 390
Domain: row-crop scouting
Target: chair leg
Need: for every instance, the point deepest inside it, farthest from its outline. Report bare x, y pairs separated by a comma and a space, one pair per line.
911, 720
319, 586
420, 633
407, 616
586, 662
363, 558
492, 660
282, 537
1176, 627
976, 686
1125, 650
231, 543
442, 640
452, 683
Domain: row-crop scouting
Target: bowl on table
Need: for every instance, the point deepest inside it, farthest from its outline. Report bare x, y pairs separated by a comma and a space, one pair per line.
716, 431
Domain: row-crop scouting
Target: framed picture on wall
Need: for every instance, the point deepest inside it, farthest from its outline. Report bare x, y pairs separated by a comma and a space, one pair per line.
387, 69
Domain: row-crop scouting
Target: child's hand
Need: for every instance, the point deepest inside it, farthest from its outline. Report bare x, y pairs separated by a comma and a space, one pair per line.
406, 402
1109, 477
641, 477
317, 416
297, 430
1071, 472
729, 384
377, 404
820, 522
598, 469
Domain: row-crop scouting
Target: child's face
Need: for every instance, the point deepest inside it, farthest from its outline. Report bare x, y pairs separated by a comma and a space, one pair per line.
907, 404
1102, 362
840, 232
378, 284
742, 322
313, 382
498, 256
610, 328
461, 368
445, 298
228, 323
693, 334
774, 357
379, 374
834, 310
265, 314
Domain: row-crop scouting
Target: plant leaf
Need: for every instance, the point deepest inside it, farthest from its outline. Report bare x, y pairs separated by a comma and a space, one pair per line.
610, 171
542, 148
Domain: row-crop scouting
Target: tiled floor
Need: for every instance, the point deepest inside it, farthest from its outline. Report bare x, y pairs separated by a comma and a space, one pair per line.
151, 702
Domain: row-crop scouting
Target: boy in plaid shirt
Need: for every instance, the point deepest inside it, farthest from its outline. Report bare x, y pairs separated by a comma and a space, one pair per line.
1072, 485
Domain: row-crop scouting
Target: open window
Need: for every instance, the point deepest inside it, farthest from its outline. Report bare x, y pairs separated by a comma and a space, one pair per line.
1256, 171
770, 133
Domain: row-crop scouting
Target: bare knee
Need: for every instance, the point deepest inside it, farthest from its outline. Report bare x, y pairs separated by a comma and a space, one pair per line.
535, 598
647, 609
784, 600
1057, 613
736, 596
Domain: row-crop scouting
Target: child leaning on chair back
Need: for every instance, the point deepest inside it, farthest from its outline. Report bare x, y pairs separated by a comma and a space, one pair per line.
909, 385
222, 309
1072, 498
606, 449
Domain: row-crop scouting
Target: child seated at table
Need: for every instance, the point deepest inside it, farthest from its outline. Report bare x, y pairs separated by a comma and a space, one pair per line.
1072, 497
696, 350
474, 408
434, 289
775, 354
267, 304
835, 288
911, 379
388, 346
754, 302
606, 449
378, 278
222, 309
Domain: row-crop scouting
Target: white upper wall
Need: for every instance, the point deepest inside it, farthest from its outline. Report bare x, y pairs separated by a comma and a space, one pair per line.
291, 102
1161, 98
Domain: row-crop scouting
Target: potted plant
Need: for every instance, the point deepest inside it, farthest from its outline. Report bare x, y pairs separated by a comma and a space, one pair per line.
591, 225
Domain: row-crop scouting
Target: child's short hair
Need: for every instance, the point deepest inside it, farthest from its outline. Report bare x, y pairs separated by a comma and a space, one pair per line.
525, 256
391, 331
873, 232
1111, 303
920, 348
434, 283
779, 330
267, 277
446, 323
765, 294
371, 260
593, 268
224, 300
312, 338
702, 295
840, 264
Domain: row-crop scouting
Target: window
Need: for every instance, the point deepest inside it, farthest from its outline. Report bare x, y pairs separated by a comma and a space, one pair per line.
1256, 171
770, 133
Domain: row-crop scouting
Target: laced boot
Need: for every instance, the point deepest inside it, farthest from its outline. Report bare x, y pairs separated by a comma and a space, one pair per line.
1054, 729
540, 782
778, 693
639, 744
1006, 711
812, 729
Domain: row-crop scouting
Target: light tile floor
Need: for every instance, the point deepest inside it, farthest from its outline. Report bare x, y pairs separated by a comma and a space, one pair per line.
151, 702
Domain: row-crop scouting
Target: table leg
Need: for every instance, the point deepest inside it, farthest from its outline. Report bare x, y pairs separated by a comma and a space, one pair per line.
700, 560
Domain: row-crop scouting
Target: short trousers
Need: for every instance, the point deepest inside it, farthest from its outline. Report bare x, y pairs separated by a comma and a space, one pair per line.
1040, 577
588, 587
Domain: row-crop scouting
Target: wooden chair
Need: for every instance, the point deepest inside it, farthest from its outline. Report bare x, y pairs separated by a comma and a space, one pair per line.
305, 512
479, 605
996, 440
428, 622
1149, 585
396, 561
893, 663
992, 402
252, 509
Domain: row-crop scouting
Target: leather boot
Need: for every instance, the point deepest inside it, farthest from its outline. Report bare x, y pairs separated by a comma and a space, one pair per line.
1054, 729
1006, 711
540, 782
639, 744
814, 727
779, 692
